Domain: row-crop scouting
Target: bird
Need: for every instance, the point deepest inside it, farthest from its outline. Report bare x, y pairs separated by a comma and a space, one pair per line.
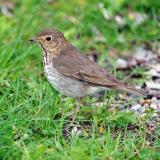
71, 72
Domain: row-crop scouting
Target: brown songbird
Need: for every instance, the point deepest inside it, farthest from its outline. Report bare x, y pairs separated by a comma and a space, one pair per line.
71, 72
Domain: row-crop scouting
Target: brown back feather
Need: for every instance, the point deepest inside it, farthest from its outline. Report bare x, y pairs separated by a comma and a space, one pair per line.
71, 62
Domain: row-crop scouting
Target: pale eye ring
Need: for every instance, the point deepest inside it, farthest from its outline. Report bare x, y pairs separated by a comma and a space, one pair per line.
48, 38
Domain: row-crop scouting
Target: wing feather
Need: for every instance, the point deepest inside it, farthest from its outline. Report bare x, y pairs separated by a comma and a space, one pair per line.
75, 64
72, 63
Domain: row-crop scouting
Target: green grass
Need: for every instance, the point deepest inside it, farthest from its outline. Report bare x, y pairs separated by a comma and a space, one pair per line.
33, 115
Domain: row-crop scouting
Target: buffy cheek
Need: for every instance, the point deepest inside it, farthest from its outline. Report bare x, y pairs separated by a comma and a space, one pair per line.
55, 44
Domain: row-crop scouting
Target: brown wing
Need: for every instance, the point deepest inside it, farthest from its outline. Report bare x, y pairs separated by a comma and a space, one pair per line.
75, 64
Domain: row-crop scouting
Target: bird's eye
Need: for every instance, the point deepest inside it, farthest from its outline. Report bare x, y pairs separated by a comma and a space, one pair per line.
48, 38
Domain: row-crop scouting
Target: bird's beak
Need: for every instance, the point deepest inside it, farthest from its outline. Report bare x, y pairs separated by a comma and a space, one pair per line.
32, 39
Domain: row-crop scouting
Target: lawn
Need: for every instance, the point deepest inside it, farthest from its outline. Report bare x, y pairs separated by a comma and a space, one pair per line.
33, 115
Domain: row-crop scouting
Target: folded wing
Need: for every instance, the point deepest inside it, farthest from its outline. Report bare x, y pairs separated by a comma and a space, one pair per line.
73, 63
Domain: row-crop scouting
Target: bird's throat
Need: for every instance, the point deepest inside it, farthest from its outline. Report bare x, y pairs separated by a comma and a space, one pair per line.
48, 55
44, 54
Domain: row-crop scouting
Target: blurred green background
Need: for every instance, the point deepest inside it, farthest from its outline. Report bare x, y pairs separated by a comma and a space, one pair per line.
32, 113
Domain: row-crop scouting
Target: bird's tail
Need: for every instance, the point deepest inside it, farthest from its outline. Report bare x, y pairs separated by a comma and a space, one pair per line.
131, 90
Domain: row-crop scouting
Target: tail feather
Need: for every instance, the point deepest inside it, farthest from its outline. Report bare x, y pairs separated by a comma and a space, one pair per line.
131, 90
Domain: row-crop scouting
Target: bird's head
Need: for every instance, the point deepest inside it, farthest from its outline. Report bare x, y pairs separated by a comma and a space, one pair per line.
49, 39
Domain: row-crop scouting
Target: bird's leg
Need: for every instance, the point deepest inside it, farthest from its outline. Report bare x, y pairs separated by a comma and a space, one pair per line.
76, 109
74, 113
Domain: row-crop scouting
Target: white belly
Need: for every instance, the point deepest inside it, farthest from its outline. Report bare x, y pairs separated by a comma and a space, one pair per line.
64, 84
68, 86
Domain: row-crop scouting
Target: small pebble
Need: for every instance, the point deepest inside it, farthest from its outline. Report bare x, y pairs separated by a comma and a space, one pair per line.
120, 21
154, 100
76, 131
137, 108
142, 54
155, 115
146, 105
153, 105
121, 63
137, 18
